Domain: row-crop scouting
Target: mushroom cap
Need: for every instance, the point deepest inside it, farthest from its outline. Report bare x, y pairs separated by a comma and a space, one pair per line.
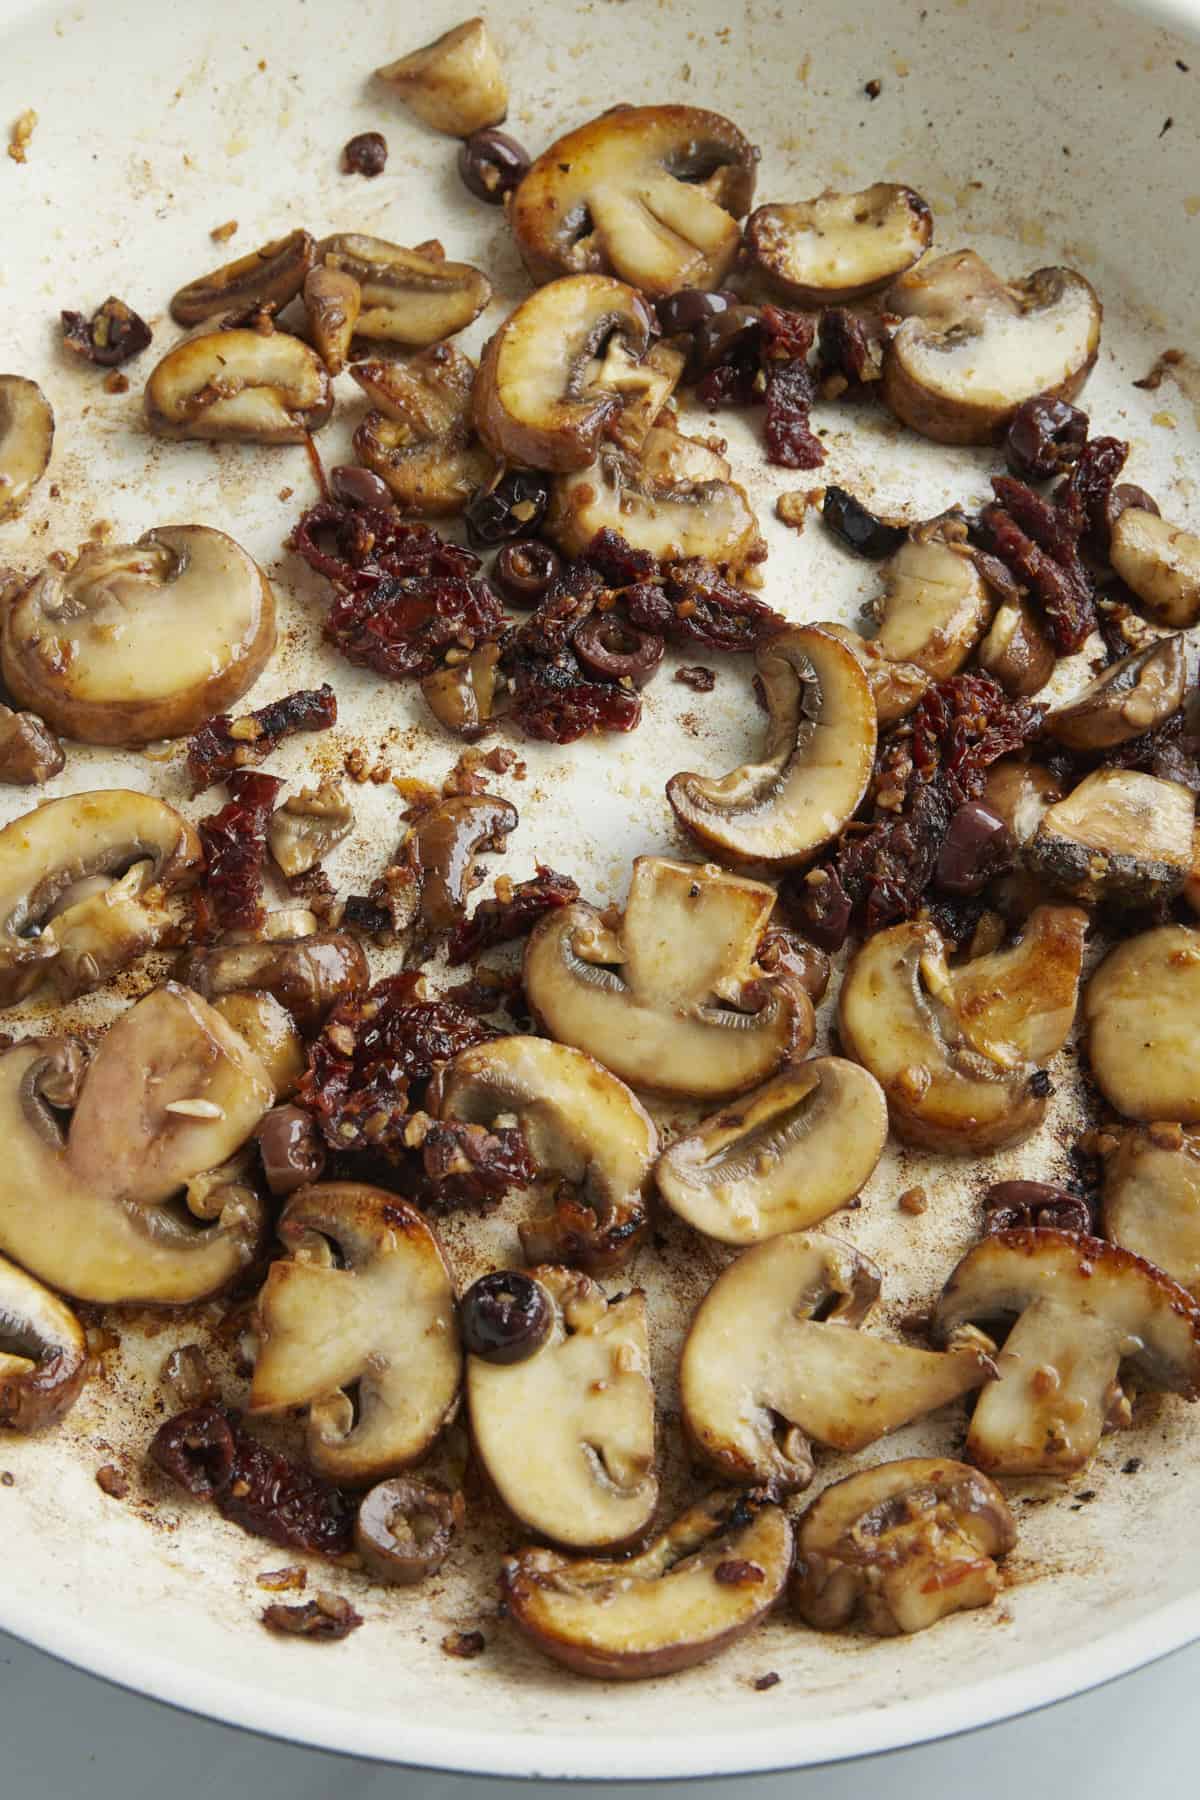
384, 1319
1120, 835
1139, 1012
407, 297
140, 641
449, 838
935, 606
783, 1157
26, 440
838, 247
689, 1012
332, 303
815, 765
1016, 651
43, 1353
567, 1435
1019, 792
272, 275
680, 1602
421, 440
455, 84
1159, 561
240, 384
1131, 696
896, 688
1151, 1200
308, 975
648, 193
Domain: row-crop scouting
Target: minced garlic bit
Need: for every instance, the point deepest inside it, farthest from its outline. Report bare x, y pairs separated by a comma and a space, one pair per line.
19, 136
195, 1109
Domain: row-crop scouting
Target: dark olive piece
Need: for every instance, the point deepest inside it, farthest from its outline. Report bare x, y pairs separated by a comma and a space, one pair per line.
511, 507
615, 650
857, 528
291, 1150
818, 905
1022, 1205
689, 307
112, 335
525, 571
352, 486
366, 154
505, 1316
977, 845
1044, 438
492, 164
405, 1528
723, 335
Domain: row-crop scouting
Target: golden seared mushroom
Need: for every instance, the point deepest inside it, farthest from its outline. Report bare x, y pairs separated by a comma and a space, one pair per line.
552, 381
270, 276
780, 1159
1131, 696
582, 1126
26, 440
449, 838
43, 1353
673, 999
462, 696
455, 84
171, 1093
308, 826
1120, 836
1159, 561
838, 247
648, 193
815, 765
135, 642
29, 751
1151, 1200
1015, 651
412, 298
935, 606
364, 1301
955, 1050
714, 1574
1140, 1013
562, 1406
272, 1034
900, 1546
419, 436
1020, 793
85, 886
241, 385
773, 1361
306, 974
1077, 1311
972, 347
333, 301
675, 499
896, 687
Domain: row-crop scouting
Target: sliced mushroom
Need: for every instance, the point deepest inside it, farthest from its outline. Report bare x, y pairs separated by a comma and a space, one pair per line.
56, 925
644, 387
268, 277
308, 826
550, 382
26, 440
1080, 1310
307, 975
1020, 793
935, 606
673, 1000
240, 384
455, 84
1130, 696
582, 1125
171, 1092
955, 1050
772, 1361
648, 193
364, 1300
674, 499
409, 297
1120, 836
462, 696
1015, 651
566, 1435
1159, 561
1140, 1013
896, 687
1152, 1198
449, 838
839, 247
29, 751
43, 1353
971, 347
901, 1546
271, 1032
815, 765
420, 440
134, 642
708, 1580
333, 301
783, 1158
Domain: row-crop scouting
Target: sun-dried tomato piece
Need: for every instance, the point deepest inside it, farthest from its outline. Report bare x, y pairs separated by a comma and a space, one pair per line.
224, 743
787, 433
1027, 1205
692, 603
769, 363
1040, 542
554, 698
466, 1165
498, 921
235, 849
850, 349
327, 1619
1083, 498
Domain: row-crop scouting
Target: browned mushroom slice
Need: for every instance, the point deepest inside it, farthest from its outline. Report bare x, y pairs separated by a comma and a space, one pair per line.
1079, 1310
582, 1126
814, 768
1120, 835
333, 301
1152, 1198
171, 1093
43, 1353
648, 193
29, 751
420, 438
1130, 697
408, 296
566, 1434
449, 838
1015, 651
551, 380
1020, 793
674, 499
955, 1050
272, 1034
268, 277
674, 1000
935, 606
1159, 561
364, 1300
710, 1578
306, 974
972, 347
1140, 1013
134, 642
761, 1374
838, 247
900, 1546
461, 696
85, 886
780, 1159
26, 440
896, 687
308, 826
455, 84
240, 384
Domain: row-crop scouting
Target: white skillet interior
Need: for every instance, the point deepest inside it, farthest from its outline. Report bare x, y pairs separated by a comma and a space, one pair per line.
1037, 135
